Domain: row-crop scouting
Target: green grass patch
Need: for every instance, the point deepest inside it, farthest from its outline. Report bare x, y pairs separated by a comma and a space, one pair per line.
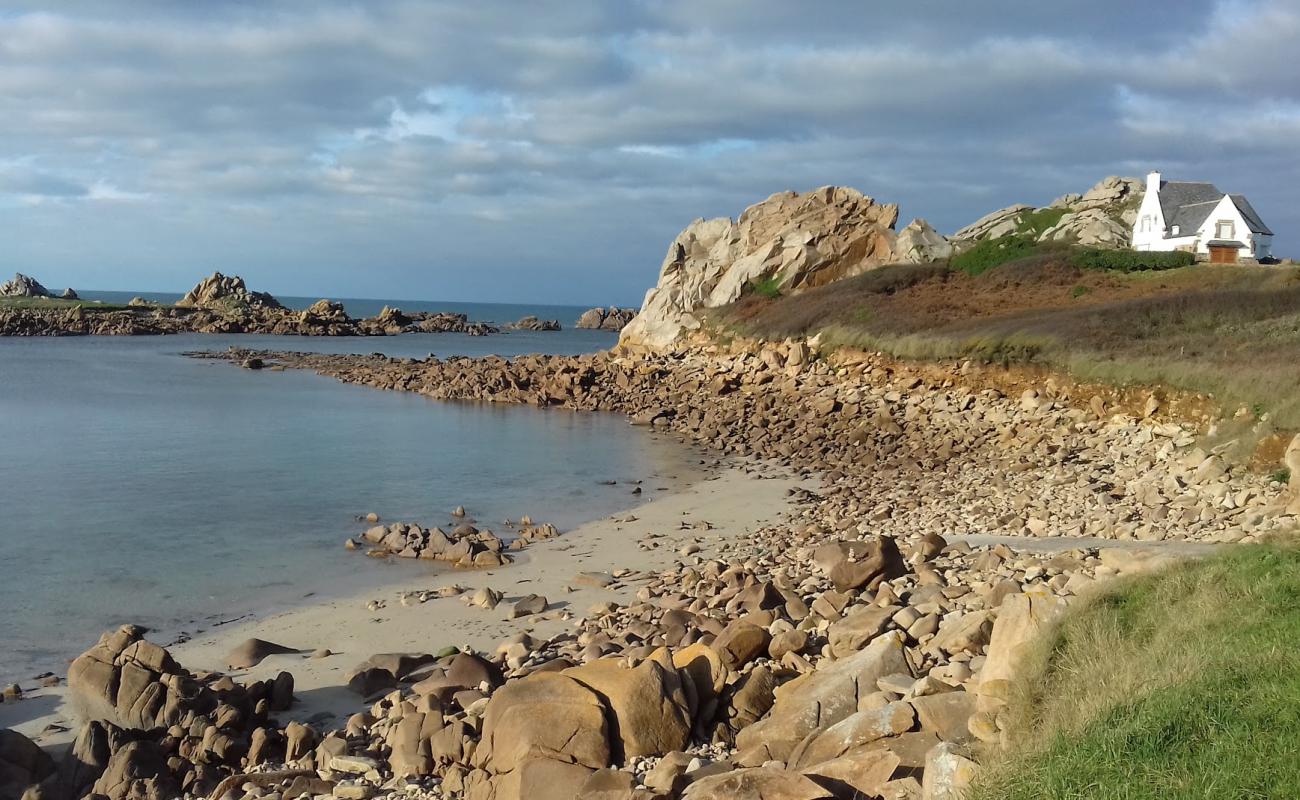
1037, 222
990, 253
766, 287
1282, 475
1181, 684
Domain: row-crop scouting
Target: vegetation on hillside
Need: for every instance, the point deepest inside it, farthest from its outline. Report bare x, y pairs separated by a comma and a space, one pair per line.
1180, 684
1230, 331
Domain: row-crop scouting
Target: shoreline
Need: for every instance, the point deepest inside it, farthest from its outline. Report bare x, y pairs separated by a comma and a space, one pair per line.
738, 497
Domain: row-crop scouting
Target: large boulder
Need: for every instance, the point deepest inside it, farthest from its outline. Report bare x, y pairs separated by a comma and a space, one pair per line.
819, 699
22, 763
759, 783
137, 770
920, 243
544, 715
226, 293
650, 712
1101, 217
1022, 619
797, 240
23, 286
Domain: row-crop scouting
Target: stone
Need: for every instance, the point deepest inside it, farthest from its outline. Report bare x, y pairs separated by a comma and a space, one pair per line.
819, 699
758, 783
23, 286
860, 773
947, 715
544, 715
741, 642
528, 605
949, 773
863, 624
649, 709
855, 731
250, 653
608, 319
137, 770
919, 243
858, 565
22, 763
224, 293
967, 633
799, 240
1021, 619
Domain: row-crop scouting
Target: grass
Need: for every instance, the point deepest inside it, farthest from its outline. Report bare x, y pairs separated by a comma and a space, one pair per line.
990, 253
1230, 332
766, 287
1038, 222
1180, 684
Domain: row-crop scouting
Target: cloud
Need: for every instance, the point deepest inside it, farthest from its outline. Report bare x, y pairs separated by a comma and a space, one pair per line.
550, 151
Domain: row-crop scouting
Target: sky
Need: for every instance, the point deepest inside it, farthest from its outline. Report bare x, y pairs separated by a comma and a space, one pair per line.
549, 151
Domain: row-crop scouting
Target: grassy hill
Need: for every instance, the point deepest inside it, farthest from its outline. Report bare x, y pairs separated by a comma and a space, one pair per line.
1123, 318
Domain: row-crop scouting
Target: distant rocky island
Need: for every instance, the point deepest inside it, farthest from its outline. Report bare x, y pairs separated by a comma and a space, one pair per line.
224, 304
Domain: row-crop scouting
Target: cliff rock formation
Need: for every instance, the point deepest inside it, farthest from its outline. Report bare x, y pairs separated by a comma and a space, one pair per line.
219, 291
796, 240
1101, 217
23, 286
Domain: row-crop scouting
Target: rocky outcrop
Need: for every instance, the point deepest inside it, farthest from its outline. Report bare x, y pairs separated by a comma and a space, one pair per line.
920, 243
531, 323
23, 286
22, 764
1101, 217
219, 292
463, 546
69, 294
796, 241
606, 319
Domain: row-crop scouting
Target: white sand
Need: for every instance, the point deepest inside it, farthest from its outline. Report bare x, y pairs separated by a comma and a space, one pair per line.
737, 500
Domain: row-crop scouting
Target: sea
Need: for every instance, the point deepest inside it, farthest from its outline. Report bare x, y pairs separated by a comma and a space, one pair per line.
138, 485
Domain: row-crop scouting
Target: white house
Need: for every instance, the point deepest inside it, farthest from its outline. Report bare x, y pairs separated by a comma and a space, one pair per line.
1197, 217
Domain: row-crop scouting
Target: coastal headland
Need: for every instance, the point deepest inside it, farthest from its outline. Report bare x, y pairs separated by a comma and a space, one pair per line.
845, 610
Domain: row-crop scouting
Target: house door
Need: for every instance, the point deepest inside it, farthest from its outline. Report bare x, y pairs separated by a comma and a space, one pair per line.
1223, 255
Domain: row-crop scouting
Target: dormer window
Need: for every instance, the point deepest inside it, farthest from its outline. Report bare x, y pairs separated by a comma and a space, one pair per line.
1176, 230
1224, 229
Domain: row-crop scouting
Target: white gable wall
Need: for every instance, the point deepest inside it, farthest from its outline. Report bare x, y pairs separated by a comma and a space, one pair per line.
1226, 222
1149, 228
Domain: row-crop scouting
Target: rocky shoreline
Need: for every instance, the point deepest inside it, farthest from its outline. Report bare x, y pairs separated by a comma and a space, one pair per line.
862, 648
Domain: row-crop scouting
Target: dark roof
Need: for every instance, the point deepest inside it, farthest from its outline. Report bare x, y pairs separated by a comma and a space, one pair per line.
1252, 219
1187, 204
1225, 243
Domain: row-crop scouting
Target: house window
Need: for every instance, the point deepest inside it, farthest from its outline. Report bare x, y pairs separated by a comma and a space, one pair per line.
1224, 229
1177, 230
1146, 224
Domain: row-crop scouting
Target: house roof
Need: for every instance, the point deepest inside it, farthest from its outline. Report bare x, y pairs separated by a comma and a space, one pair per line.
1187, 204
1252, 219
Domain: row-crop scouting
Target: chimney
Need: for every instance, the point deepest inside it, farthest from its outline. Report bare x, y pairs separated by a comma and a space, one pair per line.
1153, 182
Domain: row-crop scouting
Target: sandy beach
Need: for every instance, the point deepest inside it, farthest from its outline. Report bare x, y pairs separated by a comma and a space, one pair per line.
736, 499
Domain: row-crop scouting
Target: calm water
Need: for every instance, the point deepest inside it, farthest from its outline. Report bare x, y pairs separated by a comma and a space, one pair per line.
137, 485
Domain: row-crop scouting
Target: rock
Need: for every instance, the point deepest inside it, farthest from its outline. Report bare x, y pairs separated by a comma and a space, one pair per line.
223, 293
608, 319
22, 763
650, 715
741, 642
993, 225
544, 715
137, 770
798, 240
1022, 618
919, 243
863, 772
485, 597
855, 731
852, 633
819, 699
859, 564
947, 715
531, 323
69, 294
23, 286
251, 652
759, 783
948, 773
528, 605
